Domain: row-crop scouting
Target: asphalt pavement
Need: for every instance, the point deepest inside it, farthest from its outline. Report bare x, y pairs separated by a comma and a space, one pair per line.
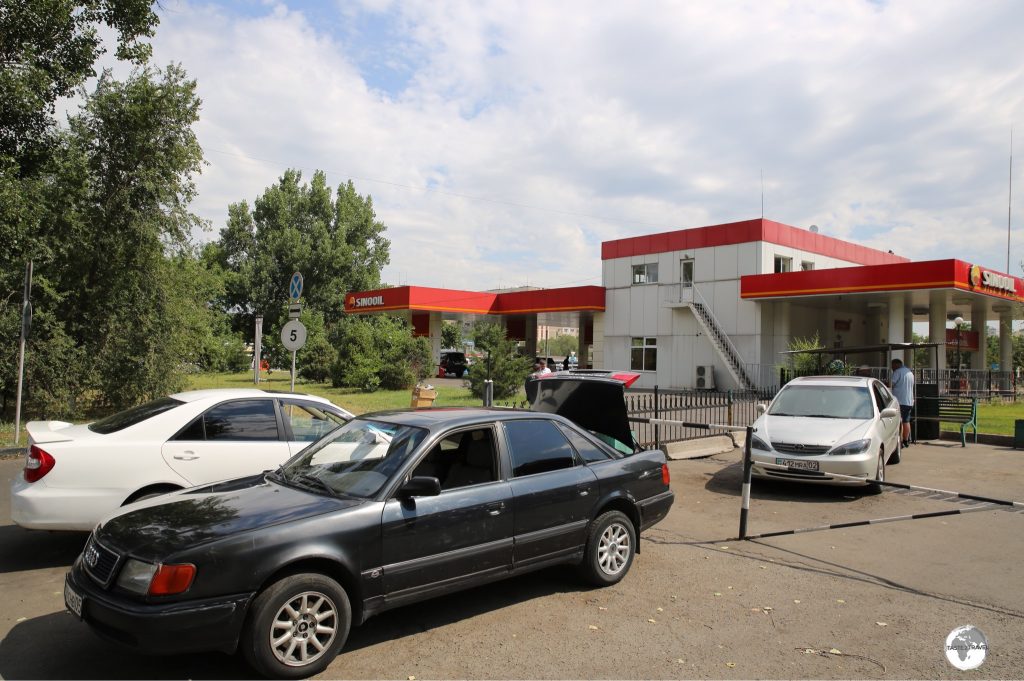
867, 602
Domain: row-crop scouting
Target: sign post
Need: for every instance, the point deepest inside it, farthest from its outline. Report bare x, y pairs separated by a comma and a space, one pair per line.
293, 334
257, 349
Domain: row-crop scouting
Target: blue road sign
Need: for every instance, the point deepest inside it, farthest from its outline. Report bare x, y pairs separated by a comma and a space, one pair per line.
295, 286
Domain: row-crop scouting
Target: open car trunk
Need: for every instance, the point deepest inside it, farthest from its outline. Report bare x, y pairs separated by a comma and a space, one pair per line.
595, 400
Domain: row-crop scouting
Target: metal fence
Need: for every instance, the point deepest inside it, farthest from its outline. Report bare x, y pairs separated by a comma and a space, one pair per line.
727, 407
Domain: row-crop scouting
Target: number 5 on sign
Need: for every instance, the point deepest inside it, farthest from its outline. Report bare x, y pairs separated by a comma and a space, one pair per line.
293, 335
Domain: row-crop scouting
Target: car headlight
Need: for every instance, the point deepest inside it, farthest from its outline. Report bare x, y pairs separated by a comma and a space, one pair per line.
758, 443
155, 580
858, 447
135, 576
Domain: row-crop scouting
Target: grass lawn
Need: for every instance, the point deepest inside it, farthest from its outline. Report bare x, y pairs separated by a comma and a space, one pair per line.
349, 398
995, 419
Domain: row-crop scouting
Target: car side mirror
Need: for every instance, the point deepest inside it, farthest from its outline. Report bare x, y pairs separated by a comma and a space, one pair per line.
761, 408
420, 486
889, 413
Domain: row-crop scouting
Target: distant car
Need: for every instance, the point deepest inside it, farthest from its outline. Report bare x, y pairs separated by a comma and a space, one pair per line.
390, 509
818, 425
453, 362
75, 475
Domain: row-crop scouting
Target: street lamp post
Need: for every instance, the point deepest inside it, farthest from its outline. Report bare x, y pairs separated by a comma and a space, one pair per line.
959, 322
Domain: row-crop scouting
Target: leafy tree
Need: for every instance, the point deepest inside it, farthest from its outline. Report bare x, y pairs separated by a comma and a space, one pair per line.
335, 240
47, 49
451, 335
562, 345
502, 364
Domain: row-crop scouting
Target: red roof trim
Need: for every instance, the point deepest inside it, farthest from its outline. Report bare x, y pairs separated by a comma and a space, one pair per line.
930, 274
745, 232
576, 298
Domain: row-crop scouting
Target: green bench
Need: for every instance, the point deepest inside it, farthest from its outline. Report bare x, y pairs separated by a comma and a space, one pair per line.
962, 410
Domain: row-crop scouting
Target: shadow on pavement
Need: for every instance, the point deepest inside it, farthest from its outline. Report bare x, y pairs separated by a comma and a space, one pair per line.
59, 646
37, 549
728, 481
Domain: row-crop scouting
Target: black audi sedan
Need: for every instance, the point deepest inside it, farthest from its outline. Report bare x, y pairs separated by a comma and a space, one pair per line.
389, 509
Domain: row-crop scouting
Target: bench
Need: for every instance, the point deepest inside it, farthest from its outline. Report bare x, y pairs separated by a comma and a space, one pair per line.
962, 410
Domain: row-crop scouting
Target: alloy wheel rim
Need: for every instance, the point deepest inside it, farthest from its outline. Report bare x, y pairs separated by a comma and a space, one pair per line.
880, 473
614, 549
303, 629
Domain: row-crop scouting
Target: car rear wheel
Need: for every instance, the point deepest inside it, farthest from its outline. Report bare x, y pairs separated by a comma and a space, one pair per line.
297, 626
874, 487
610, 549
894, 458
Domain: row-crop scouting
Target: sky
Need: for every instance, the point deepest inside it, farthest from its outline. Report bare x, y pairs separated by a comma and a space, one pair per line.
502, 142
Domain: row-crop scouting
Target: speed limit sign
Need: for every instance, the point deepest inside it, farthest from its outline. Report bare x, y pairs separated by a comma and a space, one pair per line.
293, 335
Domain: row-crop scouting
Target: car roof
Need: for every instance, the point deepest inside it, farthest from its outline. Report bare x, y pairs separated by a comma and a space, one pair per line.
434, 418
236, 393
833, 380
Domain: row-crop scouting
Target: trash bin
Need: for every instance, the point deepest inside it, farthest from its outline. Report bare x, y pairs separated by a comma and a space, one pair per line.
926, 405
1018, 433
423, 396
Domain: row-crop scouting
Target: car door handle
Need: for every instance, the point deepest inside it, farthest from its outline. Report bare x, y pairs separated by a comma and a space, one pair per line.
187, 456
584, 491
496, 509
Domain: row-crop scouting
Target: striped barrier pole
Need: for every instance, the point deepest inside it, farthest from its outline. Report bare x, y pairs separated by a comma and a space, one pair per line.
916, 488
748, 467
876, 521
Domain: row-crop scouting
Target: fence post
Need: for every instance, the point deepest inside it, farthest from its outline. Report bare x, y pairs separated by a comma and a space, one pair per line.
657, 431
729, 402
748, 466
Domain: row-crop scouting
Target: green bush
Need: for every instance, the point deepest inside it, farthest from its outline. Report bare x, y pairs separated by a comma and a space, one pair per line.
379, 352
501, 364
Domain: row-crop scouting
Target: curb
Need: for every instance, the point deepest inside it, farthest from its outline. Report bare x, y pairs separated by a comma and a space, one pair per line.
12, 452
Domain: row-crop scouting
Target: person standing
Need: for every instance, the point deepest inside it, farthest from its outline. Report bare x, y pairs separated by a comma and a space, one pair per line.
903, 390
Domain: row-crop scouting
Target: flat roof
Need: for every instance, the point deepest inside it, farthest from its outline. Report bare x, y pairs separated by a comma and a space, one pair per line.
745, 232
908, 276
422, 298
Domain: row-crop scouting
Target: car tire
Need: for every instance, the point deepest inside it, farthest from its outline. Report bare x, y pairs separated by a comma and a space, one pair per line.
611, 546
874, 487
277, 634
894, 458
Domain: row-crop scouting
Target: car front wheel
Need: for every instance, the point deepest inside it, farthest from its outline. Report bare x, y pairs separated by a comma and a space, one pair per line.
610, 549
874, 487
297, 626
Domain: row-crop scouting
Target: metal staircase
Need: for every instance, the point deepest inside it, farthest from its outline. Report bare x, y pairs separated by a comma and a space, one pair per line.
720, 339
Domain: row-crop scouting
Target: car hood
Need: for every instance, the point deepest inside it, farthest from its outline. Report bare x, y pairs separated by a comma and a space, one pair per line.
811, 431
595, 403
156, 528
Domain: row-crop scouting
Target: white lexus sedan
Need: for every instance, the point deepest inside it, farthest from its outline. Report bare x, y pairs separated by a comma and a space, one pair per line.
818, 425
76, 474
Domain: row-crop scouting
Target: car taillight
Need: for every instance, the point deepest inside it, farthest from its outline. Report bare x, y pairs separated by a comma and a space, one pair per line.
37, 464
665, 478
172, 579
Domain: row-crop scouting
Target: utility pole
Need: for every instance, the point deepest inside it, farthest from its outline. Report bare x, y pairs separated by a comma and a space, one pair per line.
26, 323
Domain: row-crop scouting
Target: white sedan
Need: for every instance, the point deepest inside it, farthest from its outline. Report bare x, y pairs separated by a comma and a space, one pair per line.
818, 425
76, 474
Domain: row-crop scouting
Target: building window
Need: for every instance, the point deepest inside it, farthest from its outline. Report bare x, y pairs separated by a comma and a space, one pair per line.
686, 272
783, 264
806, 265
644, 354
645, 274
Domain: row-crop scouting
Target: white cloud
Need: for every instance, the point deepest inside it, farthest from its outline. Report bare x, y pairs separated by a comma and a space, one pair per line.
573, 123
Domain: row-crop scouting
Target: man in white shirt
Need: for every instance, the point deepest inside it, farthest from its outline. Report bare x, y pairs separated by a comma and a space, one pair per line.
540, 368
903, 391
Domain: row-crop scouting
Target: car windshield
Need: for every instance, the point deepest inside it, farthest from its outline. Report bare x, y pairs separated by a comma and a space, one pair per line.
130, 417
354, 460
823, 401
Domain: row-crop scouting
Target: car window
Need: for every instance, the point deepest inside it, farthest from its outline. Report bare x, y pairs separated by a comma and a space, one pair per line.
537, 447
587, 449
823, 401
881, 399
130, 417
308, 422
193, 432
461, 459
241, 420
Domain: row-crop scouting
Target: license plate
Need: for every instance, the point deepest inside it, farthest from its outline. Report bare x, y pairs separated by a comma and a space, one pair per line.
72, 600
802, 464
